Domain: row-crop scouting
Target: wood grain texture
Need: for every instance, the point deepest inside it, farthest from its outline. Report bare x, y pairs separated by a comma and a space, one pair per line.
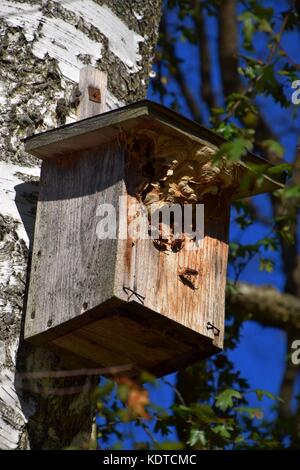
138, 338
91, 80
59, 182
72, 270
159, 276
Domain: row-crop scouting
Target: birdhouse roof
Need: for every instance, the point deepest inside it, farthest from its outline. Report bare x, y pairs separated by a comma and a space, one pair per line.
261, 176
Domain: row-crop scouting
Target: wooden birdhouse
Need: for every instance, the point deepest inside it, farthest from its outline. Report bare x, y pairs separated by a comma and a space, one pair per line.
118, 299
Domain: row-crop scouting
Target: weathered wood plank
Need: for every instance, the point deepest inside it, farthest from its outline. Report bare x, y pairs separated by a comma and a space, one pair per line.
93, 88
163, 278
138, 338
79, 267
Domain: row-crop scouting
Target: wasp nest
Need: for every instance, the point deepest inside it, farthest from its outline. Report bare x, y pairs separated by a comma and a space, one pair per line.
165, 169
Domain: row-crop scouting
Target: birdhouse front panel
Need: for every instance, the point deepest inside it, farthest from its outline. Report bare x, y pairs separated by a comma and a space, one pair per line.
101, 292
72, 269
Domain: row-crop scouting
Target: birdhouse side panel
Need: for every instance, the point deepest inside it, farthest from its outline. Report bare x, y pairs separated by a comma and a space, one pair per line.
180, 280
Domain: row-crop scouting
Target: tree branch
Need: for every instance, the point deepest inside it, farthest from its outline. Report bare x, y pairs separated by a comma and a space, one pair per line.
228, 46
206, 89
178, 73
265, 305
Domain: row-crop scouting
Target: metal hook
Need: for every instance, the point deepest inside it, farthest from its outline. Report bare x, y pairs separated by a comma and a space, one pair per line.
131, 292
210, 326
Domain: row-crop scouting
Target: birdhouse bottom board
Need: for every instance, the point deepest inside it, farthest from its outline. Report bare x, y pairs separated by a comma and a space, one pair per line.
115, 302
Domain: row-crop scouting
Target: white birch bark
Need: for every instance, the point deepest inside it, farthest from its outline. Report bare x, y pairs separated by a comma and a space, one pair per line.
43, 46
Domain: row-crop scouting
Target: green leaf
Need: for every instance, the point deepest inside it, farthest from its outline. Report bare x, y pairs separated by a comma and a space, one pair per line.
277, 148
197, 435
240, 438
248, 20
269, 243
251, 412
223, 430
266, 265
106, 389
147, 377
225, 399
234, 150
265, 26
264, 393
170, 445
181, 410
204, 413
162, 425
292, 191
123, 391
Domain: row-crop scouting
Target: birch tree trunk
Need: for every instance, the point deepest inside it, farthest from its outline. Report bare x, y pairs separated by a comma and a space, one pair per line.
43, 46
